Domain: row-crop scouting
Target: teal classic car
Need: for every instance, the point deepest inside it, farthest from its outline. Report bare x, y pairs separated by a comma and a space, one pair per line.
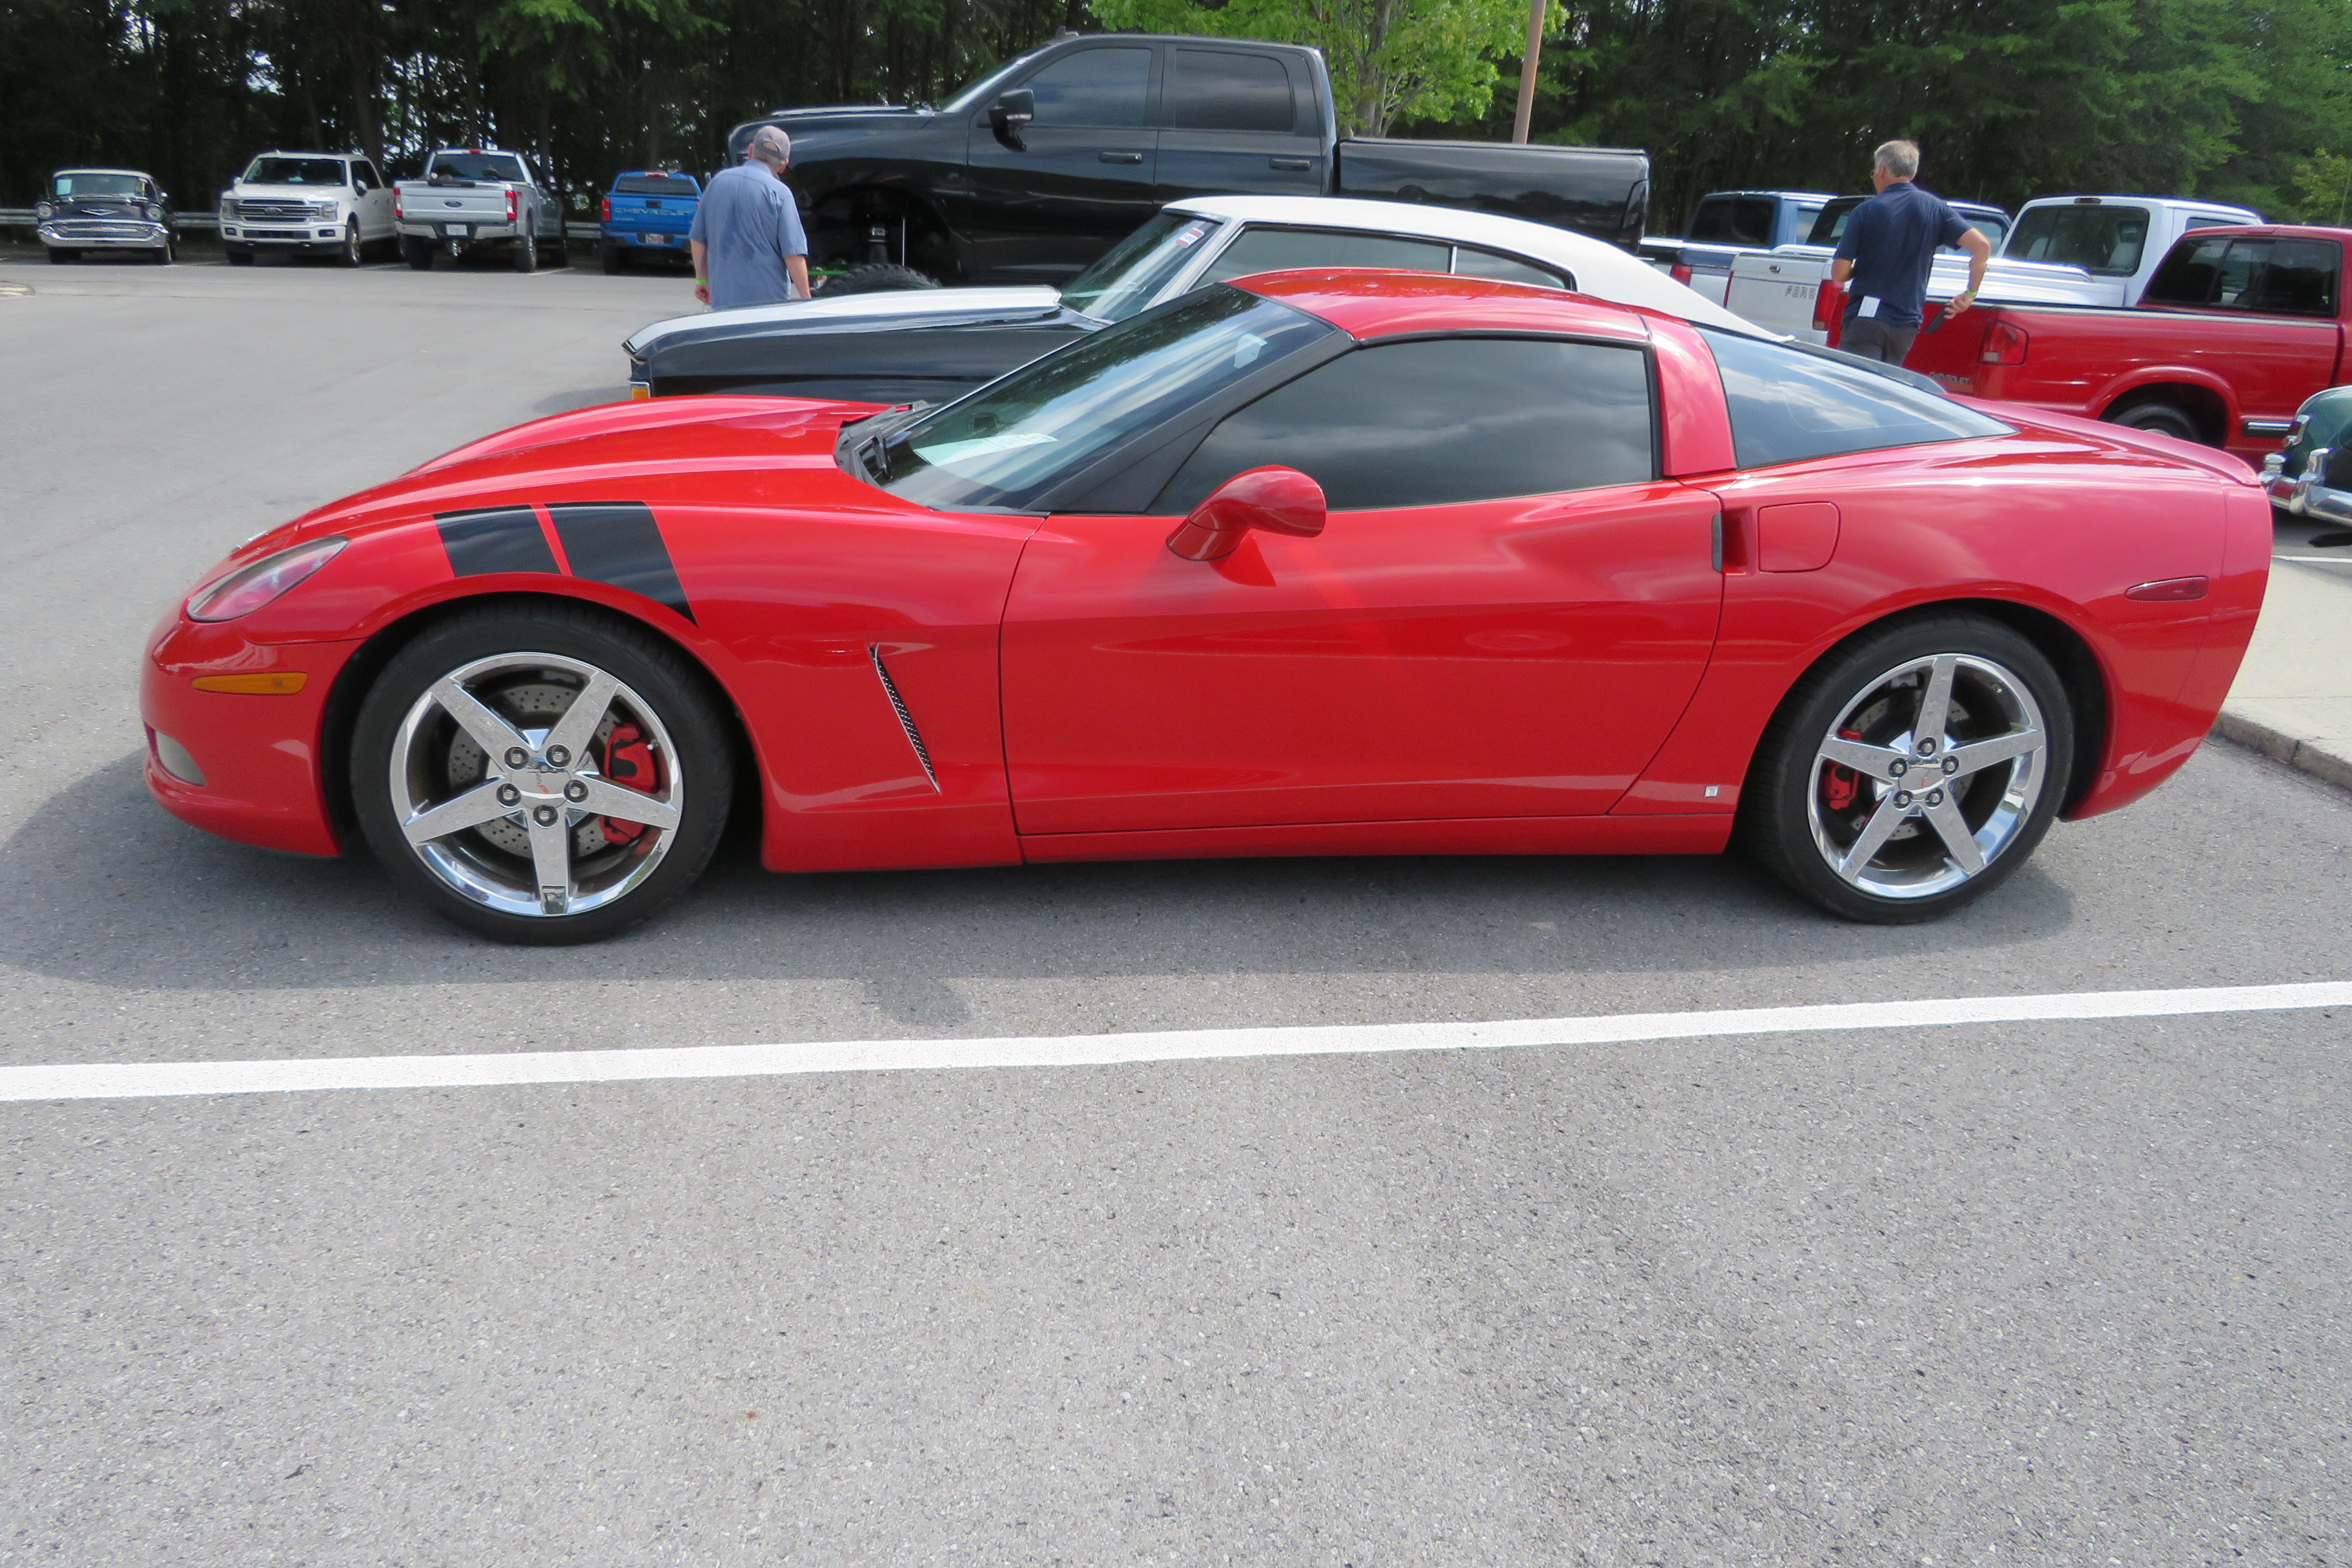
2311, 474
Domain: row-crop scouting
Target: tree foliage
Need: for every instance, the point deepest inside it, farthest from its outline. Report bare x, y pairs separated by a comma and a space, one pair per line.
1431, 60
2248, 101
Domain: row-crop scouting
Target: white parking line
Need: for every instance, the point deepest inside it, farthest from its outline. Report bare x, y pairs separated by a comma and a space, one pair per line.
141, 1080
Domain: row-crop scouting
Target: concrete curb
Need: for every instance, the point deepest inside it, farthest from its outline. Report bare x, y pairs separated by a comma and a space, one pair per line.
2280, 747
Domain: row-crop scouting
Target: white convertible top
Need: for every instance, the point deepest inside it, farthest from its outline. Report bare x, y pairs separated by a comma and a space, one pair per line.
1601, 270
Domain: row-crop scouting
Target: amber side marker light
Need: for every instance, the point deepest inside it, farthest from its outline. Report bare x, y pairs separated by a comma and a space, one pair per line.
639, 392
271, 683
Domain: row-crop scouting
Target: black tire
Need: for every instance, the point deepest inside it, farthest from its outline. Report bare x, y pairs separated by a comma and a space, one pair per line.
615, 260
559, 252
525, 253
238, 258
417, 253
60, 257
350, 254
875, 278
2164, 418
654, 678
1792, 788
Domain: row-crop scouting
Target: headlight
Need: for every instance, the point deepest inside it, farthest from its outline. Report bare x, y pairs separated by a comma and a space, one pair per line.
248, 588
42, 209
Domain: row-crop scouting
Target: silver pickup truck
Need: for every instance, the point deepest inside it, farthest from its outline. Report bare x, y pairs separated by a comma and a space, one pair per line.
477, 198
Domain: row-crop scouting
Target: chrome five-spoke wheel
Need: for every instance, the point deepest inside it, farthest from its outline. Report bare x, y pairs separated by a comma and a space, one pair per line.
1913, 771
1927, 775
541, 775
536, 784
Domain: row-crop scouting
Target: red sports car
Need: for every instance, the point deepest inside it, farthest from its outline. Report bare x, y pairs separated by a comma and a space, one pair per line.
1319, 563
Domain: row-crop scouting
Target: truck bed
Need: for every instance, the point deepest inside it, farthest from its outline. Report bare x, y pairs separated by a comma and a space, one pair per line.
2226, 367
1600, 191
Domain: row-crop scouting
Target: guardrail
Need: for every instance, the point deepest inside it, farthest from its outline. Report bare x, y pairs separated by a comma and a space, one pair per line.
22, 218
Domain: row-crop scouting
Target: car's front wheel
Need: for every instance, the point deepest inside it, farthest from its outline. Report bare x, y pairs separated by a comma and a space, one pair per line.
541, 775
352, 253
1914, 772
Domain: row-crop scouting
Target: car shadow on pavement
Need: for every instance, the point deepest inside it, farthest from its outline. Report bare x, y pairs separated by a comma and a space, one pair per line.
580, 397
103, 888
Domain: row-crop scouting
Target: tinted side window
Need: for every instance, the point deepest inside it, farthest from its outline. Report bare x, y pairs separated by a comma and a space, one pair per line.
1213, 90
1447, 419
1507, 269
1274, 250
2300, 279
1733, 220
1788, 405
367, 175
1094, 87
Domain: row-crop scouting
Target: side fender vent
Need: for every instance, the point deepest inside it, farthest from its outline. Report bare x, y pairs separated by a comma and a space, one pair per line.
906, 720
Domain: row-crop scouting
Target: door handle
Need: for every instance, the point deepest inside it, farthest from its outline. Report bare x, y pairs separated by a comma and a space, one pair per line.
1120, 157
1290, 163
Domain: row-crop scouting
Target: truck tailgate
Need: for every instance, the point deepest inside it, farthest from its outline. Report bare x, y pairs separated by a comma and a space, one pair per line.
652, 215
422, 201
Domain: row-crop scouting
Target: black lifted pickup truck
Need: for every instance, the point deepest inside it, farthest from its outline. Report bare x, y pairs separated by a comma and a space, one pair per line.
1042, 165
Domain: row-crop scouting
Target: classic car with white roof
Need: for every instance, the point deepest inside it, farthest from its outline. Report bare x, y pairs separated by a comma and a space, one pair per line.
938, 344
102, 209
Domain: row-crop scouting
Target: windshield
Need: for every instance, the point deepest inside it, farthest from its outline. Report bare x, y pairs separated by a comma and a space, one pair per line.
1830, 228
1015, 438
475, 166
69, 186
984, 85
1138, 267
297, 171
2105, 239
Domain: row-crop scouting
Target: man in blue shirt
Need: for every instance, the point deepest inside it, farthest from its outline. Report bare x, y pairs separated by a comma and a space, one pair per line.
748, 245
1889, 246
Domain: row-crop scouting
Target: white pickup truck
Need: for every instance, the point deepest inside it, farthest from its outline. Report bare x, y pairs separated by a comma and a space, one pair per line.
321, 204
2063, 251
477, 198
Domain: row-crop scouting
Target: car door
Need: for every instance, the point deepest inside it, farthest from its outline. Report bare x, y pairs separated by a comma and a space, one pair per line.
1050, 197
2286, 343
374, 201
1234, 119
1504, 616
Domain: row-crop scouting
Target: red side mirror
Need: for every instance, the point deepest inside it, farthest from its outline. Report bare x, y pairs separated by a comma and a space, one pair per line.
1279, 500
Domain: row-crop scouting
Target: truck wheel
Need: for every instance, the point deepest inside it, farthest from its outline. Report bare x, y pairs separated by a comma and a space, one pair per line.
167, 253
875, 278
239, 258
349, 256
60, 257
615, 260
2164, 418
417, 253
526, 253
559, 253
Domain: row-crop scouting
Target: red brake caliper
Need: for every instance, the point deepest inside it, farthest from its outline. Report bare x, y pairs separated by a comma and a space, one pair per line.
1838, 782
631, 762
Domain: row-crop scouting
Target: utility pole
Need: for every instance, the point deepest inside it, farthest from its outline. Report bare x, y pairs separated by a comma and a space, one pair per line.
1528, 71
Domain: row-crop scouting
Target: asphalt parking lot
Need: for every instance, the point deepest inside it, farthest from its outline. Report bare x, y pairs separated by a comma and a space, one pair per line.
2069, 1292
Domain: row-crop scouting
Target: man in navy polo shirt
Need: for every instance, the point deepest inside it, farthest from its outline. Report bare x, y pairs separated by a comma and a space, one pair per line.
1889, 244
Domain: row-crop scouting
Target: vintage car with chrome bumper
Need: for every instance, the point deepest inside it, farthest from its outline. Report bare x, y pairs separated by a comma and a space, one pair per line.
102, 209
2321, 426
2323, 490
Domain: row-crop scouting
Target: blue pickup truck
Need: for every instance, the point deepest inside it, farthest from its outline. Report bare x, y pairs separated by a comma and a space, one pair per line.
646, 213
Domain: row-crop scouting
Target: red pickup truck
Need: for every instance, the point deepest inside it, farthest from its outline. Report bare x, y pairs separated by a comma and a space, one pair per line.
2237, 328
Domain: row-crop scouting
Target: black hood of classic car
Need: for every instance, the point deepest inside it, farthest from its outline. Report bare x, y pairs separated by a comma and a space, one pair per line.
935, 348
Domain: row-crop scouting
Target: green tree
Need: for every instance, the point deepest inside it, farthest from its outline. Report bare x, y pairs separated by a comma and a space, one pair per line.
1424, 59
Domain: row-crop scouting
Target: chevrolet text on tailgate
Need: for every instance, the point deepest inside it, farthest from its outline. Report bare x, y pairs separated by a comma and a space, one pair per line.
1042, 165
2237, 327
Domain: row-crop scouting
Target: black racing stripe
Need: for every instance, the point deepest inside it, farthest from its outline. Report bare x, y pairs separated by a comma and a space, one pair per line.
501, 539
619, 542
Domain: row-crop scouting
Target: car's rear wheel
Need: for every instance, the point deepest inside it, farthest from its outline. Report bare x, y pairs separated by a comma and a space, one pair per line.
525, 253
1914, 772
417, 253
2164, 418
541, 775
614, 260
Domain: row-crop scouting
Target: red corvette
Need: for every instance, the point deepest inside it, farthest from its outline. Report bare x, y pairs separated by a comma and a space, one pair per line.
1322, 563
